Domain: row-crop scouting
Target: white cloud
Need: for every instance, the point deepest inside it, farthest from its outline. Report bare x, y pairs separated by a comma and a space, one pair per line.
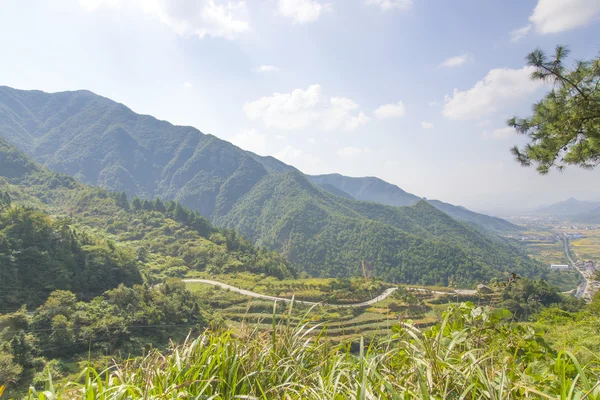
456, 61
396, 110
500, 87
352, 151
288, 154
251, 139
267, 68
296, 157
500, 133
302, 11
432, 103
391, 4
303, 108
519, 33
311, 140
190, 17
553, 16
188, 85
427, 125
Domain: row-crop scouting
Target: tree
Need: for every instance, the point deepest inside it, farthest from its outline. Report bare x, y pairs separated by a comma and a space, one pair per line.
4, 199
159, 205
9, 370
565, 126
147, 205
136, 203
23, 348
121, 200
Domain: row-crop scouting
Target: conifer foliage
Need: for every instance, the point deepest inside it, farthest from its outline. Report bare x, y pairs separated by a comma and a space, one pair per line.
565, 126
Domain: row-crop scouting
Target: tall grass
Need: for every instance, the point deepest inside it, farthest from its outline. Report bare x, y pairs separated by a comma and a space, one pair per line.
474, 353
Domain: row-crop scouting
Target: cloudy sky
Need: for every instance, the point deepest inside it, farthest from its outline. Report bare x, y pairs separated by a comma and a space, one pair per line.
416, 92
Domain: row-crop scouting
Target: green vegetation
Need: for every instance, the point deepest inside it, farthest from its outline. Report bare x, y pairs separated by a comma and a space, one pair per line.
565, 126
92, 304
123, 321
94, 234
525, 298
39, 255
474, 352
326, 235
270, 203
336, 291
378, 191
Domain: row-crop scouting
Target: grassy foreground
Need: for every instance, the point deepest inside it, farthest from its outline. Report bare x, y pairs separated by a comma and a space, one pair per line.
473, 353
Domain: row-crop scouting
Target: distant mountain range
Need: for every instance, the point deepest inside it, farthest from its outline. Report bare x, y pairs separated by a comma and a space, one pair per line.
379, 191
568, 208
325, 224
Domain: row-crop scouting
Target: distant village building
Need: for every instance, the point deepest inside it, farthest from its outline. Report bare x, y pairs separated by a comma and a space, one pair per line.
559, 267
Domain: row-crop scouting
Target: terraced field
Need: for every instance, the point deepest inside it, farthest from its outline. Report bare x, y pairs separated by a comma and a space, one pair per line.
245, 314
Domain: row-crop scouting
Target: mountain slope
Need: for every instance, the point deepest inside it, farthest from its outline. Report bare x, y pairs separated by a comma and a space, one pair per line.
368, 189
588, 217
568, 208
379, 191
57, 233
102, 142
329, 236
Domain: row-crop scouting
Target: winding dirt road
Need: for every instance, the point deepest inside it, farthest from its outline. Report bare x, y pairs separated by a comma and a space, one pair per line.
245, 292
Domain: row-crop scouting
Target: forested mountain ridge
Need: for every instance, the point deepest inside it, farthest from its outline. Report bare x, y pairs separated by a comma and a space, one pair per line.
329, 236
59, 234
379, 191
368, 189
102, 142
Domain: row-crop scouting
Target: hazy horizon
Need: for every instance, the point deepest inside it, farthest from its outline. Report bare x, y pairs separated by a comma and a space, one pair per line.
412, 92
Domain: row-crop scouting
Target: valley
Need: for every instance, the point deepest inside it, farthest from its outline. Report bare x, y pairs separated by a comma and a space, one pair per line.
260, 250
299, 200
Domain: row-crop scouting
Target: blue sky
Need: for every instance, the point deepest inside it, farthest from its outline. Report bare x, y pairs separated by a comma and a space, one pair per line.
413, 91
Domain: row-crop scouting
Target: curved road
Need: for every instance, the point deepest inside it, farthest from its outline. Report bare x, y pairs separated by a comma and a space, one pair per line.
583, 287
374, 300
245, 292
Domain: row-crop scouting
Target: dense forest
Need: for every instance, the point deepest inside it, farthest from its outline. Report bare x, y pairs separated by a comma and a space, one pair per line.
378, 191
60, 234
321, 234
92, 138
329, 236
268, 202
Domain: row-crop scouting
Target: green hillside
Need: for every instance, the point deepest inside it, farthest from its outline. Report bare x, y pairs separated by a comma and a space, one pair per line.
329, 236
368, 189
60, 234
104, 143
379, 191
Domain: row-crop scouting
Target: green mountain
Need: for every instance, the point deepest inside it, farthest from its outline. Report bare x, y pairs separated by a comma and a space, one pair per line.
104, 143
59, 234
368, 189
379, 191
